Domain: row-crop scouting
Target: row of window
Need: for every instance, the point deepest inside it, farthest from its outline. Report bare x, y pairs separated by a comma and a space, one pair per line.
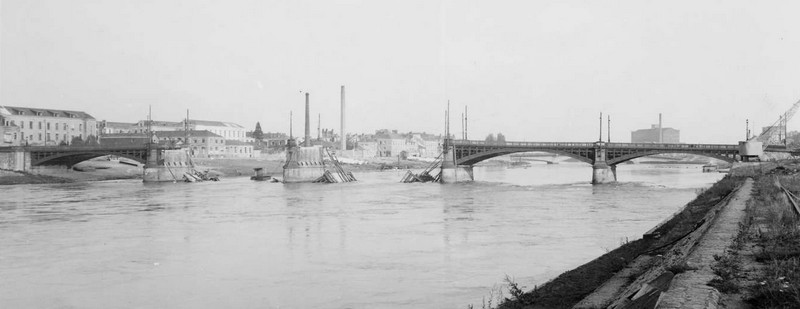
58, 137
63, 126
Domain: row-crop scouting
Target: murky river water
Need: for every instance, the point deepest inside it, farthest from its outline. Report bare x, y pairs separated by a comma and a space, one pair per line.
371, 244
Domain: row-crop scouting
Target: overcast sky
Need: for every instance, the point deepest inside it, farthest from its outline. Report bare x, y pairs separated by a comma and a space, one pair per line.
534, 70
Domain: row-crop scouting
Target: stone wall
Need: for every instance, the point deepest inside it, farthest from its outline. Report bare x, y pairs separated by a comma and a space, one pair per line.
15, 161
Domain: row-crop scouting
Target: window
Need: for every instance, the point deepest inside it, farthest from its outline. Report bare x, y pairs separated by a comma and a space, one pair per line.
48, 136
40, 136
48, 126
204, 140
56, 136
56, 127
15, 136
40, 125
30, 124
80, 126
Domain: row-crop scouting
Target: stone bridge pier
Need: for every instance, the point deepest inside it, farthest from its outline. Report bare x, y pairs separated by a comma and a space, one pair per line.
451, 171
602, 172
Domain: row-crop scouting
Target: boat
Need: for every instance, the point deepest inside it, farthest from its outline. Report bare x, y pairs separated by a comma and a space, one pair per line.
259, 175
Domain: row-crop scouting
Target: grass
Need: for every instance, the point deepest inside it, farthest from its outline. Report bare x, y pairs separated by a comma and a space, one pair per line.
728, 268
776, 232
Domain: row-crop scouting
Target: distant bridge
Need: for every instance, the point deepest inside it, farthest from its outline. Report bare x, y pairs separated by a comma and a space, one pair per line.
604, 157
24, 157
471, 152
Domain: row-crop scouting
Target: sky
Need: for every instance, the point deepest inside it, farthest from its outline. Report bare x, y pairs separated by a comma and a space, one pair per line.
533, 70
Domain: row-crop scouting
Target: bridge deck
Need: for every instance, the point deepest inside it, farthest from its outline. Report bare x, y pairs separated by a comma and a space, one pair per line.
653, 146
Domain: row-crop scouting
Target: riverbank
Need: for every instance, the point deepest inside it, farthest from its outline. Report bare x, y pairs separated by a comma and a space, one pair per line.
91, 170
736, 245
104, 169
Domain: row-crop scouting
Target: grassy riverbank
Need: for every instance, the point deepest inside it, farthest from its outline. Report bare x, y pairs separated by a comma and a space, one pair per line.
572, 286
761, 269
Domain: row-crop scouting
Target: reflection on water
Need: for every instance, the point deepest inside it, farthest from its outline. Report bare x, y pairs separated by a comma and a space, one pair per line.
371, 244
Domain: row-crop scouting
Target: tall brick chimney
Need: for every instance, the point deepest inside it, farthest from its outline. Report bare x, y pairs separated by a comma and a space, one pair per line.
307, 140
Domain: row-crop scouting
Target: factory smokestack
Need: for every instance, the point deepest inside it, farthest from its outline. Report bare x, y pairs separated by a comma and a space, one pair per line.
307, 140
660, 131
342, 132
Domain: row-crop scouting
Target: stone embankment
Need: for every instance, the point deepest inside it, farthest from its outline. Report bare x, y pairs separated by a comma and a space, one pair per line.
675, 265
678, 277
689, 289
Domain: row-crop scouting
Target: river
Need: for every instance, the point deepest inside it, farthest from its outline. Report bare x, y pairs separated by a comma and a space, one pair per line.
371, 244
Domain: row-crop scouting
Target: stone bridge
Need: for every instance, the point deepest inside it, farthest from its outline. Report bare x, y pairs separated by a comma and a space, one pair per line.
461, 155
23, 158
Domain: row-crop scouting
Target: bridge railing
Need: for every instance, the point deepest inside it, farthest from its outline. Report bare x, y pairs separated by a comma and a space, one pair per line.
673, 146
520, 144
69, 148
590, 145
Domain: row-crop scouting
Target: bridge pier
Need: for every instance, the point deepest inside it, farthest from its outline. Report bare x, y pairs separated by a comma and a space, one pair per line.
166, 165
303, 164
603, 173
15, 160
452, 172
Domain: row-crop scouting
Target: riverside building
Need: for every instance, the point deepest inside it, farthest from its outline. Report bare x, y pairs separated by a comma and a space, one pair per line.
44, 126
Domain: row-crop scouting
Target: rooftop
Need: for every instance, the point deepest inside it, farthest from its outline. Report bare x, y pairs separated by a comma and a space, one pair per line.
215, 123
192, 133
45, 112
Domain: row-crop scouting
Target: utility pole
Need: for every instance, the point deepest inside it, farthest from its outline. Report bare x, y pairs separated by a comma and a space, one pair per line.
609, 128
186, 130
448, 118
466, 136
462, 126
601, 127
747, 130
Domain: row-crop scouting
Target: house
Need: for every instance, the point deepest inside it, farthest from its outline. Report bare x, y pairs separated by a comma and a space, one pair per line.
228, 130
238, 149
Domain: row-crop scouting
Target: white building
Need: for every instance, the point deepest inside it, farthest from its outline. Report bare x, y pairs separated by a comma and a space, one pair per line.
44, 126
228, 130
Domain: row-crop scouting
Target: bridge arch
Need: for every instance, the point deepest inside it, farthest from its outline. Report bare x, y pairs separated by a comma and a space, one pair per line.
71, 158
628, 157
485, 155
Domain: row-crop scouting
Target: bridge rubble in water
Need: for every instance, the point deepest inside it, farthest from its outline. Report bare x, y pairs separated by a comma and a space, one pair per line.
172, 165
307, 164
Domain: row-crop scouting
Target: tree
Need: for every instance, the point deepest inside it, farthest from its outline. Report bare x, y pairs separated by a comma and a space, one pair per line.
258, 134
91, 140
76, 141
490, 138
501, 138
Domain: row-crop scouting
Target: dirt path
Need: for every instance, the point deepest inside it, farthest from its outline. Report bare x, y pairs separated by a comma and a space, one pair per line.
690, 289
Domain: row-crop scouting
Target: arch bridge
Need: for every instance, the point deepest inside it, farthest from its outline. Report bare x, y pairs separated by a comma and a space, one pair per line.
604, 157
68, 156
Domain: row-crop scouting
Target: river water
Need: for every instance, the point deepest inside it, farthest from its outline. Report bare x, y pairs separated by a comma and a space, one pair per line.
371, 244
